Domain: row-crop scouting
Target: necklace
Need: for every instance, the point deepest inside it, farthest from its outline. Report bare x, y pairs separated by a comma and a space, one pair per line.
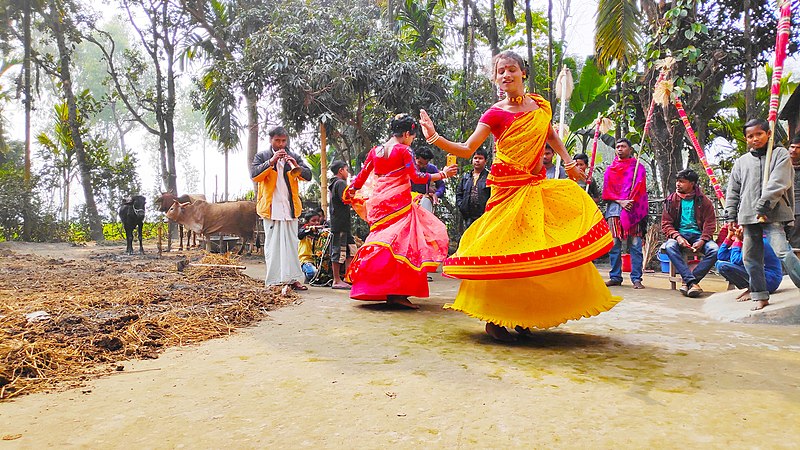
516, 100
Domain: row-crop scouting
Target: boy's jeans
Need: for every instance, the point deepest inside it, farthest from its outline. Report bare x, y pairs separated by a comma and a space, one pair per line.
753, 256
674, 251
615, 258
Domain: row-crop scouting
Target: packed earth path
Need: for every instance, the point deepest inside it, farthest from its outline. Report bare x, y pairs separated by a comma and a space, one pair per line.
329, 372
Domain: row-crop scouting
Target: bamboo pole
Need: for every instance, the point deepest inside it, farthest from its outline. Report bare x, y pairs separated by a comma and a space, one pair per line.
700, 153
647, 124
781, 40
594, 151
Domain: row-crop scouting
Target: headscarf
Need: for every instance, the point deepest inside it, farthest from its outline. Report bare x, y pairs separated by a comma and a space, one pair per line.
618, 180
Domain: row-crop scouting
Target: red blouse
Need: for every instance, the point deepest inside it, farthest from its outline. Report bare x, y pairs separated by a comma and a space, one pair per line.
499, 119
400, 161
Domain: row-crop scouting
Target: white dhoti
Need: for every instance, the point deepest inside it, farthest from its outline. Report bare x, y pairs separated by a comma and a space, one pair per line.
280, 252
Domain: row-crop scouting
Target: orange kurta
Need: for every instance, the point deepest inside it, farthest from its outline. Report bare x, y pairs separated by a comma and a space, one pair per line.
527, 260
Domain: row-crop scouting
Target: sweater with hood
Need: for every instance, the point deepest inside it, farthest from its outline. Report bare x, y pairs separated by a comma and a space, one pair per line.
745, 199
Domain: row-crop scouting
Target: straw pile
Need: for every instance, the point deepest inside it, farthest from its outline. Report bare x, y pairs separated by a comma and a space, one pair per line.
64, 322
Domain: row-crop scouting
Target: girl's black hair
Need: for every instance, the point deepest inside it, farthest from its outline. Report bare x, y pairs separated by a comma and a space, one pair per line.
402, 123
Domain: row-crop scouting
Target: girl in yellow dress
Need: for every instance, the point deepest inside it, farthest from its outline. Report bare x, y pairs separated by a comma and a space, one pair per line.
527, 262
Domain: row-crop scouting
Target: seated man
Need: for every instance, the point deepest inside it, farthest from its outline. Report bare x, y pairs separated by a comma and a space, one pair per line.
689, 221
731, 266
305, 249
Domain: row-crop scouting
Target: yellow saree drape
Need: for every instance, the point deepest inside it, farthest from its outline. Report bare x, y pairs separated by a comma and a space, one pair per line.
527, 260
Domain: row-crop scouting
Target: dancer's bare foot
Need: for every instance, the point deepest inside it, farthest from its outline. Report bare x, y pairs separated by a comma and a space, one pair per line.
523, 331
499, 333
744, 296
760, 304
401, 300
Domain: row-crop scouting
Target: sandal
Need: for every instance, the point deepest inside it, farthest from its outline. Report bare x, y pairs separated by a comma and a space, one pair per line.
297, 286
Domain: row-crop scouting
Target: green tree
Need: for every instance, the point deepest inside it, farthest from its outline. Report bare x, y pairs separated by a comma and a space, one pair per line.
58, 154
58, 19
225, 42
707, 42
219, 105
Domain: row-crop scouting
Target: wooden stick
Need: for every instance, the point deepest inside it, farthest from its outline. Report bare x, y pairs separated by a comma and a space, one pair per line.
647, 123
217, 265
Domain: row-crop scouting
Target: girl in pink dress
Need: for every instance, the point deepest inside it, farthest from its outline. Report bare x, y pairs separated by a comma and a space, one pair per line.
405, 241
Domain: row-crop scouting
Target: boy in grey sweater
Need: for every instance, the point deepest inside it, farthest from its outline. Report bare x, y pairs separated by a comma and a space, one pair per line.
762, 211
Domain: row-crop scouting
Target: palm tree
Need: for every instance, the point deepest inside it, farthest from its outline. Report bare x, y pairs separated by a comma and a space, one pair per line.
219, 107
228, 25
418, 21
617, 38
60, 152
617, 32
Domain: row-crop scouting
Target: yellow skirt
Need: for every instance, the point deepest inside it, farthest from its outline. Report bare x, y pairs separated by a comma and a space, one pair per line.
527, 260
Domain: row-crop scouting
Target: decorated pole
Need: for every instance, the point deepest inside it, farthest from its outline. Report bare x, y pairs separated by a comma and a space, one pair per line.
564, 86
700, 153
602, 125
781, 39
594, 152
666, 66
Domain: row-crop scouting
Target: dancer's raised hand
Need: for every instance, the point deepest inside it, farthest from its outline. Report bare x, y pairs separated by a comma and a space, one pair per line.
575, 174
426, 123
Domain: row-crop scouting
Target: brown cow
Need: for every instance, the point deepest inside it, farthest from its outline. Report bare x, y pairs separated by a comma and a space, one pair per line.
164, 202
237, 218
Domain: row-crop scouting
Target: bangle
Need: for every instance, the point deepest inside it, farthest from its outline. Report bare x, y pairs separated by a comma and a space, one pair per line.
570, 164
444, 175
435, 137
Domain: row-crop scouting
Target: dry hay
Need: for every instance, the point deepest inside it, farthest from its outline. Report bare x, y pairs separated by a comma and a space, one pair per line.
102, 312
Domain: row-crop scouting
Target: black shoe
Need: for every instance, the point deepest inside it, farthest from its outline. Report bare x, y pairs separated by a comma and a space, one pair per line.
614, 283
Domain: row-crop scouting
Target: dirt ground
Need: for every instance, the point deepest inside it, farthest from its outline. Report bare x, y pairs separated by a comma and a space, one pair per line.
654, 372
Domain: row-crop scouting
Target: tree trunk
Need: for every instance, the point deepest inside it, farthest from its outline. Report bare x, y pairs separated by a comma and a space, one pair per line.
26, 67
251, 101
563, 31
529, 41
749, 91
122, 148
550, 92
95, 224
465, 37
666, 139
66, 199
169, 105
493, 44
226, 175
